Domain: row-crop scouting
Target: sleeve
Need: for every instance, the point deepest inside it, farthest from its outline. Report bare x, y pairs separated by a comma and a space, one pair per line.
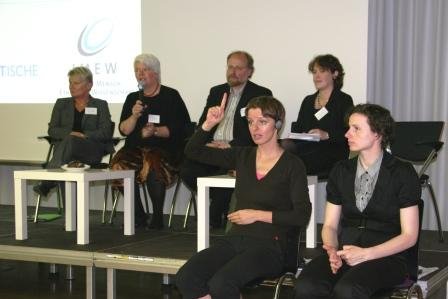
410, 190
178, 118
209, 103
56, 128
198, 151
334, 194
300, 213
338, 130
126, 111
103, 131
303, 125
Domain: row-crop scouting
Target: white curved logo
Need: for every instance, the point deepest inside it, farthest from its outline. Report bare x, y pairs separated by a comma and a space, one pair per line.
95, 37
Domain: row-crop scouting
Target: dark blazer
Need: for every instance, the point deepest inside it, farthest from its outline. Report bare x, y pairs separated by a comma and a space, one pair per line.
397, 187
241, 135
97, 127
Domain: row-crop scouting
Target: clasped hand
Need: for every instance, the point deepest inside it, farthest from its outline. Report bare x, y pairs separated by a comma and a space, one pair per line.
353, 255
245, 216
148, 130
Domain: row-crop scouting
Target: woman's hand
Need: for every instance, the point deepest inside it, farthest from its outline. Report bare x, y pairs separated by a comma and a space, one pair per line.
333, 258
246, 216
78, 134
137, 109
148, 130
353, 255
215, 114
323, 135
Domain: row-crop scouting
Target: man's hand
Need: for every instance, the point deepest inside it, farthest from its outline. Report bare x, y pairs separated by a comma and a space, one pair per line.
218, 144
138, 108
78, 134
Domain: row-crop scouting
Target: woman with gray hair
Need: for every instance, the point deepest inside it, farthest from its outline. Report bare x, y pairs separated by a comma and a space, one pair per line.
153, 120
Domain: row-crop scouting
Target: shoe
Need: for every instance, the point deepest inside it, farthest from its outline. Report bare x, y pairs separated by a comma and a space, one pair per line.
43, 188
156, 223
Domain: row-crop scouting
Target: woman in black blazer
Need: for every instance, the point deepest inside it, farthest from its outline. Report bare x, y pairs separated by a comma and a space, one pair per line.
323, 114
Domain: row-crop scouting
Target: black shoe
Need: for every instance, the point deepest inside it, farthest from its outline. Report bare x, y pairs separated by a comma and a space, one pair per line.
156, 223
141, 222
43, 188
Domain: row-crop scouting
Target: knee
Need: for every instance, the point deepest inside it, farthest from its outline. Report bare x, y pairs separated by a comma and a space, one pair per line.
304, 288
221, 286
348, 289
188, 178
184, 281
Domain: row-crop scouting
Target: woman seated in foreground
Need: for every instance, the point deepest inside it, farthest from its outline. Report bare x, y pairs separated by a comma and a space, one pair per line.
271, 203
371, 216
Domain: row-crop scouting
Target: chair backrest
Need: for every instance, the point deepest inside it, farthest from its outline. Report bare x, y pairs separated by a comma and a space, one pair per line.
415, 140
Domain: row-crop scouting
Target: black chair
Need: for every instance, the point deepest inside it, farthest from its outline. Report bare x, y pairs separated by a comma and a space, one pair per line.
409, 288
52, 142
293, 265
419, 142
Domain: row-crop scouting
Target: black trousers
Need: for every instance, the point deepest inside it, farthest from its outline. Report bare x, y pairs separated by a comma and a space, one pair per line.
76, 148
220, 197
227, 266
316, 281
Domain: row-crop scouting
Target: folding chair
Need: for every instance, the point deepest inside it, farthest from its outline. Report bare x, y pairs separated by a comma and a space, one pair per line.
419, 142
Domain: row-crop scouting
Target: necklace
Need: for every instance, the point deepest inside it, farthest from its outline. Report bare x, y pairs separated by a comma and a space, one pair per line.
320, 104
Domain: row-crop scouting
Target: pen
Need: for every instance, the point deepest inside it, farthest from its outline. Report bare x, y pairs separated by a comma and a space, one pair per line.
131, 257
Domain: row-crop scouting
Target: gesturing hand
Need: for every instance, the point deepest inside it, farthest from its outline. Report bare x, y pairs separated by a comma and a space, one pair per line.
215, 114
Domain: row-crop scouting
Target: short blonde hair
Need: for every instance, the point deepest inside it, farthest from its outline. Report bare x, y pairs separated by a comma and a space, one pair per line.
81, 71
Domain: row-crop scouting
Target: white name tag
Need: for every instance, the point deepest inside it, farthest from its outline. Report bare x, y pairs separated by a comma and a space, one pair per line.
90, 110
321, 113
154, 118
243, 112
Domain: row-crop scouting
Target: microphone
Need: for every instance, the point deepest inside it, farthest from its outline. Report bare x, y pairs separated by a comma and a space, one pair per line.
141, 86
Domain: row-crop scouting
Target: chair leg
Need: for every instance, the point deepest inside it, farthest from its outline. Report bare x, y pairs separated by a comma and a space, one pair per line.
115, 197
36, 212
60, 201
191, 202
106, 193
173, 202
145, 195
436, 209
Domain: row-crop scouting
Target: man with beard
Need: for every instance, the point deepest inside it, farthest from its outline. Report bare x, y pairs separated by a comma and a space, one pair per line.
232, 130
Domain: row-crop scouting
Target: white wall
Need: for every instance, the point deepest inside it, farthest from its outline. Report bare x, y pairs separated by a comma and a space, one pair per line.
192, 40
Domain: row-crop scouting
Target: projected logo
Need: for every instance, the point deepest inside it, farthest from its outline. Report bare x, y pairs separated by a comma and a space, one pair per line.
95, 37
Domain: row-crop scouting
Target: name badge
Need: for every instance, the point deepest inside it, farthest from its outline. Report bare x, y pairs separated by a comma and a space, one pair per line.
154, 118
321, 113
90, 111
243, 112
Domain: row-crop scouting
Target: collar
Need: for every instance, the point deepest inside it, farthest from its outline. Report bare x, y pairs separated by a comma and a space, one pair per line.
372, 170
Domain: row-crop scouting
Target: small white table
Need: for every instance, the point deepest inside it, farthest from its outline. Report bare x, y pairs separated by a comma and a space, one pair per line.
76, 212
226, 181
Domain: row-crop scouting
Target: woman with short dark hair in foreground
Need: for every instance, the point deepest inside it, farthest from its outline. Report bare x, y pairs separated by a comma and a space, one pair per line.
371, 216
271, 204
